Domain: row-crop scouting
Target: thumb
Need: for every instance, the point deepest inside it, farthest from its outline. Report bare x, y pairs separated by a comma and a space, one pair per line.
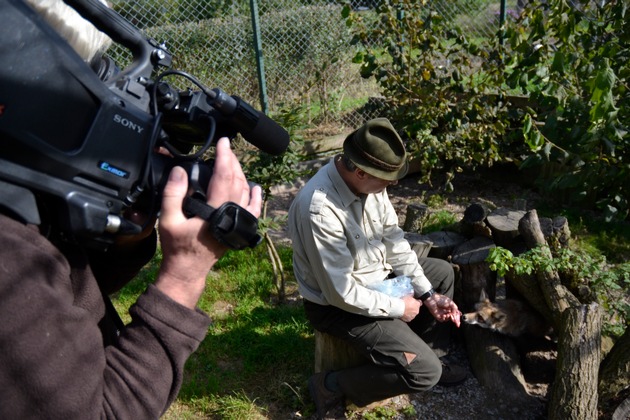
174, 192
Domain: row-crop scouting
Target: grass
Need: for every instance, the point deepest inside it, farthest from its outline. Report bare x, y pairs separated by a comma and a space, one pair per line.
258, 355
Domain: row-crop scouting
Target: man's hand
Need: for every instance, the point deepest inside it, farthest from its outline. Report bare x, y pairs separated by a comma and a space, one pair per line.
412, 308
189, 250
443, 308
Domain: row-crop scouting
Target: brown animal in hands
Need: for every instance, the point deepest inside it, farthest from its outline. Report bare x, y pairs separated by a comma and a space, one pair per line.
508, 316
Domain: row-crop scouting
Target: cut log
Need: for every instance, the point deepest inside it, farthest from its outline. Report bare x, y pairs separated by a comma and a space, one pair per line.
415, 217
494, 360
614, 372
574, 391
474, 221
444, 243
503, 223
622, 412
420, 244
475, 273
332, 353
476, 212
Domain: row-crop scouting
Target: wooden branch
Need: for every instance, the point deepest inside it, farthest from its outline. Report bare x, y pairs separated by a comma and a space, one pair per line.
557, 296
276, 264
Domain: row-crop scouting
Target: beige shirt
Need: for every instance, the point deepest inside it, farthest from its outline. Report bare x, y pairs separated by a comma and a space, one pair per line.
343, 243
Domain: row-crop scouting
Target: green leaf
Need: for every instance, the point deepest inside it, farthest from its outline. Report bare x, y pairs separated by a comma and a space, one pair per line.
527, 124
558, 63
534, 140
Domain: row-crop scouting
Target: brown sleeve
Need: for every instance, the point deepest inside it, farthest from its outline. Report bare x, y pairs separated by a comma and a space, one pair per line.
116, 267
53, 361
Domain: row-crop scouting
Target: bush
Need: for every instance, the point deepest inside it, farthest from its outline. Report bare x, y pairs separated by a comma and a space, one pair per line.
572, 59
444, 92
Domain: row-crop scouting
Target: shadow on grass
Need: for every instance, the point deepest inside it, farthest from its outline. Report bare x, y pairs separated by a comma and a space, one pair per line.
266, 354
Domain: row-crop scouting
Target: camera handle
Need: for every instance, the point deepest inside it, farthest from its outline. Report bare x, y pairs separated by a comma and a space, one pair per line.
230, 224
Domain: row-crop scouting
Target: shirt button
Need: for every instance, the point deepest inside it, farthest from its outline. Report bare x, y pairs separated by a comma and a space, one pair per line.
356, 237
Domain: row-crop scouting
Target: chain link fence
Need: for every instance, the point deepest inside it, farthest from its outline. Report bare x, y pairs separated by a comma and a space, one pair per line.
282, 54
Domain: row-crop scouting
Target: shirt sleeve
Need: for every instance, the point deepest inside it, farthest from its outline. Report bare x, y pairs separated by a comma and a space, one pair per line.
332, 264
400, 256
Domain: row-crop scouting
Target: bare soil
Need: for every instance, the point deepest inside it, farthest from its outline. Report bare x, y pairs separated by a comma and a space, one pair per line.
500, 187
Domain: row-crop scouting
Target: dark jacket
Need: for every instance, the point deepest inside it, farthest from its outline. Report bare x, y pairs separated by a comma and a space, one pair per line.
60, 356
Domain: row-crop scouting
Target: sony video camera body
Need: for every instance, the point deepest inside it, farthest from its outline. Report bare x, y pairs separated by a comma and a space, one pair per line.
86, 140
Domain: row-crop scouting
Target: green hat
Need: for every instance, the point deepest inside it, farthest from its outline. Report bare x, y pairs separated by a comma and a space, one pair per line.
377, 148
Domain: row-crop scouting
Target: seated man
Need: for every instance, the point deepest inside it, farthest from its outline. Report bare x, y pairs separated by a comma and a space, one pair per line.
346, 239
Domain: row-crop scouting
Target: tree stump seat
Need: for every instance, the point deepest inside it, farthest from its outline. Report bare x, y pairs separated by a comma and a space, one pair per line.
332, 353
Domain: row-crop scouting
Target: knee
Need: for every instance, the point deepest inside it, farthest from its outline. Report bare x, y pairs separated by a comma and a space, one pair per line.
442, 276
424, 373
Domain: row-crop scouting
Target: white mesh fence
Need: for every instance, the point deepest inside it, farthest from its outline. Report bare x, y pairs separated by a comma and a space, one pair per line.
305, 49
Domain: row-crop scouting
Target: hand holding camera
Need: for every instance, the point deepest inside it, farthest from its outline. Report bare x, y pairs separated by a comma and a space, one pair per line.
189, 250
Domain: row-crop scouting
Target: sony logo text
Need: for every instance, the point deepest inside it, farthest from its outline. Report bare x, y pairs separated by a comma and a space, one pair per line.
128, 123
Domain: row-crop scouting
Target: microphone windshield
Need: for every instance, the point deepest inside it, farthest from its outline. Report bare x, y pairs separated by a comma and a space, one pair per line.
267, 135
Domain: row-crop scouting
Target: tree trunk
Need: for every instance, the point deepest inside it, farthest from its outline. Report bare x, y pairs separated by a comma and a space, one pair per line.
557, 296
444, 243
574, 392
622, 412
528, 288
474, 221
557, 233
332, 353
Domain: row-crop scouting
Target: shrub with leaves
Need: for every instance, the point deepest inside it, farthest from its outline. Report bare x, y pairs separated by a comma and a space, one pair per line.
443, 91
590, 279
572, 59
450, 95
268, 170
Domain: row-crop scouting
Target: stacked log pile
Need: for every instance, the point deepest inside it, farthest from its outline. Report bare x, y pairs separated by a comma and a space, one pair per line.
494, 358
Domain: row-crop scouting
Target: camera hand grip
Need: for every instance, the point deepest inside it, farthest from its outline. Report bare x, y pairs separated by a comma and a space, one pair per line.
230, 224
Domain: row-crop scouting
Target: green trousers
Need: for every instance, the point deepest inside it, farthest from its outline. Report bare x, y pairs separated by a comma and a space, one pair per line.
388, 343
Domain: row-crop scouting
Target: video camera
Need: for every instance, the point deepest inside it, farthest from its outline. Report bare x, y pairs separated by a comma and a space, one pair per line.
85, 141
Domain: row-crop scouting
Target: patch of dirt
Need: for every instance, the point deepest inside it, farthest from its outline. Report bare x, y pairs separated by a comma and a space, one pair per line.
500, 187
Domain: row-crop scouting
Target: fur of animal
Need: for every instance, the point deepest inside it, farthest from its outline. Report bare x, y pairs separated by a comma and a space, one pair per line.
508, 316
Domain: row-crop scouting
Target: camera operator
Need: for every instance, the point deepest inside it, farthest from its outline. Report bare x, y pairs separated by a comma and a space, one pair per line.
64, 353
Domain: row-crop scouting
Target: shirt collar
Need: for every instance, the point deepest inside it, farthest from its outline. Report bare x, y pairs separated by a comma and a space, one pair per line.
345, 194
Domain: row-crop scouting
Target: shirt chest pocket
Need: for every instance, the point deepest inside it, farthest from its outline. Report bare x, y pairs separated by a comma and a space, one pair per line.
366, 250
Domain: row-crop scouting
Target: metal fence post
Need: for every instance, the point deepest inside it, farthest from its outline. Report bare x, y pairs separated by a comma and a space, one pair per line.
260, 63
502, 22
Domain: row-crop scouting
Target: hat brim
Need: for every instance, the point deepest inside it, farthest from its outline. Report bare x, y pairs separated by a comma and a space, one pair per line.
365, 165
